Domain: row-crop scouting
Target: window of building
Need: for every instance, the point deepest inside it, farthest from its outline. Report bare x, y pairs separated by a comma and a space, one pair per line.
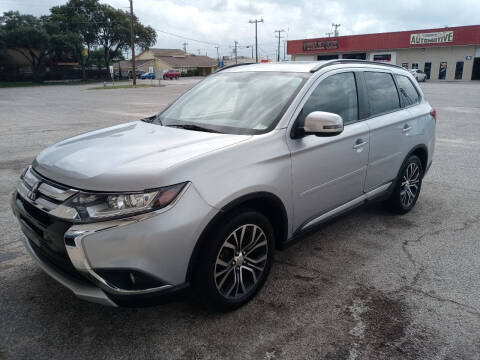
408, 93
428, 69
357, 56
327, 57
459, 70
382, 57
442, 72
414, 65
336, 94
382, 92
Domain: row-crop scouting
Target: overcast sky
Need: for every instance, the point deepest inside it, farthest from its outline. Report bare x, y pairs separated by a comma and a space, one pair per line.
223, 21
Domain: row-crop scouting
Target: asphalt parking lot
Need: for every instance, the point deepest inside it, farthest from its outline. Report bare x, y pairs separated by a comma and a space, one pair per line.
370, 285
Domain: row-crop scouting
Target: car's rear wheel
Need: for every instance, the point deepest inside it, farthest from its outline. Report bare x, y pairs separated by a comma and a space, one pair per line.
235, 263
164, 77
407, 187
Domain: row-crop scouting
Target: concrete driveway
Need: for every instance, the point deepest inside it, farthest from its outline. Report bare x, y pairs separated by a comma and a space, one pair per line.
370, 285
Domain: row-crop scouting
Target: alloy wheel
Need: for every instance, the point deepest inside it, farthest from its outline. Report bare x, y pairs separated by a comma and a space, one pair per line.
410, 184
241, 261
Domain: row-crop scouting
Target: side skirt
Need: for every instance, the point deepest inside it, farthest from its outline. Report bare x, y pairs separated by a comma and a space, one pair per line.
378, 192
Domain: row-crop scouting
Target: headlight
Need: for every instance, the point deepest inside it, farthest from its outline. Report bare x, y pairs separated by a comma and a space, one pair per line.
96, 206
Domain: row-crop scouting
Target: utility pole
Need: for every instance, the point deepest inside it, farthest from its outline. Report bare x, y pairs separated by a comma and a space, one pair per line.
279, 37
336, 26
256, 37
250, 47
218, 56
236, 43
329, 34
132, 41
284, 50
185, 46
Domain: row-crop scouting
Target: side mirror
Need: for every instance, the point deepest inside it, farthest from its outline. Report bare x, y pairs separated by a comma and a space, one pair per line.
321, 123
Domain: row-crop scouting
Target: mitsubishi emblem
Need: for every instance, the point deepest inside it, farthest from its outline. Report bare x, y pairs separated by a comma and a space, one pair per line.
32, 195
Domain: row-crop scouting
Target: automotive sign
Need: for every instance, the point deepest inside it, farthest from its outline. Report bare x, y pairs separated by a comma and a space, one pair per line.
320, 45
431, 38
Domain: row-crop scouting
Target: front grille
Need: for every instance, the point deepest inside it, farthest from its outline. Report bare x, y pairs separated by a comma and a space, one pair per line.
46, 196
46, 236
38, 214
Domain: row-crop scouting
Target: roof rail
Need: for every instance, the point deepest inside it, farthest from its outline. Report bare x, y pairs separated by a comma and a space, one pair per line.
232, 66
350, 61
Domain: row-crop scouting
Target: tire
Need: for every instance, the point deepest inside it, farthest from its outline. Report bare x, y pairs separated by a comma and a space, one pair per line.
407, 186
164, 77
225, 278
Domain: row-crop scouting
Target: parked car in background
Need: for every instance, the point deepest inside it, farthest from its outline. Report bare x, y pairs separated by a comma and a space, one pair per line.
124, 75
172, 74
204, 192
419, 75
138, 73
148, 75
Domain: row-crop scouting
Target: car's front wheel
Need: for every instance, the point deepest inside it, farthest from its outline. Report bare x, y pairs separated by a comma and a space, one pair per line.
407, 187
236, 260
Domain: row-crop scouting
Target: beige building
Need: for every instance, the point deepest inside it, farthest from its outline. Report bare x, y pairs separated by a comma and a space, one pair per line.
165, 59
451, 53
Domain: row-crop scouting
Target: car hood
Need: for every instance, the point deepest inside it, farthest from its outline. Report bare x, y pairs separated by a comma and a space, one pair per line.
128, 157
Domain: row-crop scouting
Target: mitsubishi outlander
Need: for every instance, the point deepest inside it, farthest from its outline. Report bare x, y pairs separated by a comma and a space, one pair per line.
203, 193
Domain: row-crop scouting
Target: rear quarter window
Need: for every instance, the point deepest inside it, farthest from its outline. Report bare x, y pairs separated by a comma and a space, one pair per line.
381, 92
408, 93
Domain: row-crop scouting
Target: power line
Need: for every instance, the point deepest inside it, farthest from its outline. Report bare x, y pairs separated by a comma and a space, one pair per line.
191, 39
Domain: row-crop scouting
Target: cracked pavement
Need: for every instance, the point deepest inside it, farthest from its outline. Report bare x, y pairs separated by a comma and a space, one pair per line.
369, 285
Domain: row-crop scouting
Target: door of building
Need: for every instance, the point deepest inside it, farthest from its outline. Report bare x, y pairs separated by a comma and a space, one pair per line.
459, 70
442, 71
428, 69
476, 69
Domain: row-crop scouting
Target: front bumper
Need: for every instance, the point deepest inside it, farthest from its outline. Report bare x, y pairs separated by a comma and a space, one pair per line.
96, 261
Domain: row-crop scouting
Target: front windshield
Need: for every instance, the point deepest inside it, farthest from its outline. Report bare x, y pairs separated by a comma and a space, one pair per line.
235, 102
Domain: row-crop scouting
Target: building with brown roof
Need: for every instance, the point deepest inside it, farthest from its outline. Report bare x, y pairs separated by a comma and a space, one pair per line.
165, 59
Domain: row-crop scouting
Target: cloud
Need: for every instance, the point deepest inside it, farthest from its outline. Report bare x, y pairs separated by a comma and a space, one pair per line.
223, 21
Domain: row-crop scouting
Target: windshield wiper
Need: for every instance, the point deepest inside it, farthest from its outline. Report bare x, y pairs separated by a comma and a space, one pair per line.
193, 127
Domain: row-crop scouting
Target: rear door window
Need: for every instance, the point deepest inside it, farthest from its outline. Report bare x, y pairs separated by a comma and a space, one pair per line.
407, 91
381, 92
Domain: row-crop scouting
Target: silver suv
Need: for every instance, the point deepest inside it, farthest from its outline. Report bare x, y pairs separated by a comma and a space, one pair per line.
204, 192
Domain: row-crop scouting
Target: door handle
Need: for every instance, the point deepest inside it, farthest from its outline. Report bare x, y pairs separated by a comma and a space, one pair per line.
406, 128
359, 144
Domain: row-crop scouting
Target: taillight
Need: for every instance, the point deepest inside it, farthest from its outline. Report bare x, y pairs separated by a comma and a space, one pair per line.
433, 113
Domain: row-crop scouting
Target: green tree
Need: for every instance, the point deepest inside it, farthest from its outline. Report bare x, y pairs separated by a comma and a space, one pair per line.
114, 35
27, 35
76, 23
97, 57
